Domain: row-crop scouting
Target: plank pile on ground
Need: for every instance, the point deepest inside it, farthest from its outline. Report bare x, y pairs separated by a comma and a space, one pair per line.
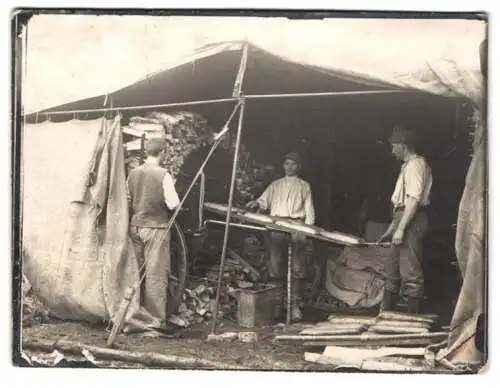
386, 329
351, 340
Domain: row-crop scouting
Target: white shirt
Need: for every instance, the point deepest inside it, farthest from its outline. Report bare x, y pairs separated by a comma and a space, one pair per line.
415, 180
169, 193
289, 197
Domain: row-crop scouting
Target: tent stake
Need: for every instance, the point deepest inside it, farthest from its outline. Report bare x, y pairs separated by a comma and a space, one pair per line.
228, 215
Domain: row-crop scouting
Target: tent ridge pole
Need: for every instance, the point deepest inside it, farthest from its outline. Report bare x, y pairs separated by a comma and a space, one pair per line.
320, 94
137, 107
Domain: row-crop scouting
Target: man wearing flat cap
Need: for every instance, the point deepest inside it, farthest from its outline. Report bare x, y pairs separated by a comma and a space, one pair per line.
152, 197
410, 199
289, 198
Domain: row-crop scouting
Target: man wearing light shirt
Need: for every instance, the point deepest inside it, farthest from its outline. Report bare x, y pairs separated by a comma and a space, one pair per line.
290, 198
409, 225
152, 197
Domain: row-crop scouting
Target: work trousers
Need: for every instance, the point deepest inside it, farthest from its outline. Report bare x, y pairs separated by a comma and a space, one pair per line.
404, 265
279, 242
152, 250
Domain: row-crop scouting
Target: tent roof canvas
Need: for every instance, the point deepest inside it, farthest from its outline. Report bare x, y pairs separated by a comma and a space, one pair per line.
210, 72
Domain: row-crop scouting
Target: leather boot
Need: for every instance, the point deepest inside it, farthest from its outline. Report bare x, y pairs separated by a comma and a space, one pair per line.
389, 301
413, 305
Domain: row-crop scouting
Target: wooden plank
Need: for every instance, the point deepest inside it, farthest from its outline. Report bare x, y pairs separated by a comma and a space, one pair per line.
397, 316
369, 339
387, 322
379, 328
332, 328
358, 343
241, 214
364, 337
360, 353
335, 318
365, 365
338, 325
316, 332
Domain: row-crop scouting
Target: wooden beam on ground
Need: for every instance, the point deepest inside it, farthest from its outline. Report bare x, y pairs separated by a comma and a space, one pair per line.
146, 358
367, 339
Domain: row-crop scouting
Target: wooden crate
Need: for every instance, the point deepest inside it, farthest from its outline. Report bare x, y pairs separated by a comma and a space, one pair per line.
258, 308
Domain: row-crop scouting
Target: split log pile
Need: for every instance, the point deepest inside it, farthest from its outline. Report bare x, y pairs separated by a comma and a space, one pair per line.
374, 343
198, 301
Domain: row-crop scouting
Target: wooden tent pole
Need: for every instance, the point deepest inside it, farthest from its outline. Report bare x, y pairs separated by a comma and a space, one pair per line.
238, 83
237, 89
228, 215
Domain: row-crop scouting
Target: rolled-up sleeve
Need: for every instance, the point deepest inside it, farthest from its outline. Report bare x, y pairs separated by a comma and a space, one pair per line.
265, 199
415, 179
309, 207
169, 193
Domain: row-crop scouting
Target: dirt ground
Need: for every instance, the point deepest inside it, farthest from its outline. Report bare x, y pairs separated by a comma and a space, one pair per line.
264, 354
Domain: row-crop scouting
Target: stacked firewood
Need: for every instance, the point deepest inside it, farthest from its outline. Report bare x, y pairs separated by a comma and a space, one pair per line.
183, 132
198, 301
187, 132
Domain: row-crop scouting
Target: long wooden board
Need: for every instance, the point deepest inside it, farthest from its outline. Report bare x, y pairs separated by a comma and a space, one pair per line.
395, 329
278, 224
367, 339
397, 316
325, 328
364, 320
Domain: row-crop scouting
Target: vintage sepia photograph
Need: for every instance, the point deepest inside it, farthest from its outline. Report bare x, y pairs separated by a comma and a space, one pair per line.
251, 191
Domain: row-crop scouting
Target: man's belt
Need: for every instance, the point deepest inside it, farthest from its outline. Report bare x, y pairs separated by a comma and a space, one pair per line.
291, 218
402, 208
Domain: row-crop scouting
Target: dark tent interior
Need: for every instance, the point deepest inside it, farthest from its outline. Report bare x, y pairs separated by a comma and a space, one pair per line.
342, 139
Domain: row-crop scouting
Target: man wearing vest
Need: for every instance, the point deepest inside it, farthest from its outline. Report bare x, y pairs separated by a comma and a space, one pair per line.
290, 198
409, 225
152, 197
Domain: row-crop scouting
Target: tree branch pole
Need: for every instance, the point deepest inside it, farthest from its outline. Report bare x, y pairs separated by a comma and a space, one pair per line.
228, 214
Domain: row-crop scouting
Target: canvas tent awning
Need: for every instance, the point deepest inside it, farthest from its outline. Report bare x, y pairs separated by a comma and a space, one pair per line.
210, 74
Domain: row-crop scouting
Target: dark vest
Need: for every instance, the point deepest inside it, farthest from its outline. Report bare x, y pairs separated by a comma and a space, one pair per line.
148, 204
